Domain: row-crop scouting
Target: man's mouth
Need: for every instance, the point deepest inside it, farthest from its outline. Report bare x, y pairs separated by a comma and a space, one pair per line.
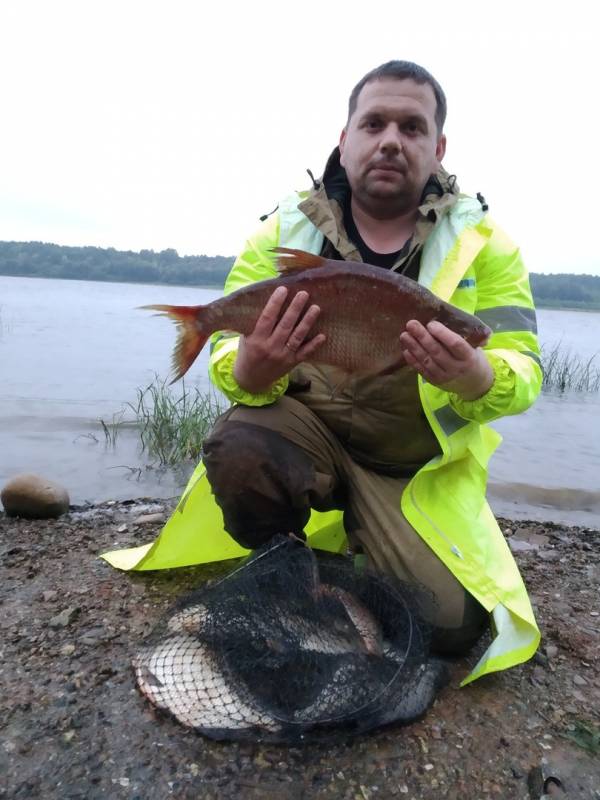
385, 168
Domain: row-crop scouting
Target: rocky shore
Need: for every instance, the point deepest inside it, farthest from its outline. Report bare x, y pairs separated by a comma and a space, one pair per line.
73, 725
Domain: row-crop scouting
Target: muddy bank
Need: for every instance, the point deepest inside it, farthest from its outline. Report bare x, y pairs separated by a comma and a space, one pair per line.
73, 725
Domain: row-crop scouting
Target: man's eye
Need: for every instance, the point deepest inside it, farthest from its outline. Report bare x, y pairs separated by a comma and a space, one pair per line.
373, 124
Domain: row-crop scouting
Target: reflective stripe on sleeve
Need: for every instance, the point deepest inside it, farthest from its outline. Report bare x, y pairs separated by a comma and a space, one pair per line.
502, 319
449, 420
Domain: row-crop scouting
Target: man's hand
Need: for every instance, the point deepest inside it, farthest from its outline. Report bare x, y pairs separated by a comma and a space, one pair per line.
446, 360
274, 348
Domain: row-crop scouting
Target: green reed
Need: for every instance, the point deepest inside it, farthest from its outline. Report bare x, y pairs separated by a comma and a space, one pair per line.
566, 372
172, 426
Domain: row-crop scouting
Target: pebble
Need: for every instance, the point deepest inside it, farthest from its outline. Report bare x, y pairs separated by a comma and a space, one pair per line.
148, 519
67, 649
49, 595
64, 618
579, 681
549, 555
517, 546
551, 650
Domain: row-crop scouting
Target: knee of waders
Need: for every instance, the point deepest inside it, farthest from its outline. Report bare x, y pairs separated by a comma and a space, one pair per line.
240, 454
260, 480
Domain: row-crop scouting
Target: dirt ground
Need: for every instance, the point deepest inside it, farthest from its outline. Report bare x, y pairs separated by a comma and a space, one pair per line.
73, 725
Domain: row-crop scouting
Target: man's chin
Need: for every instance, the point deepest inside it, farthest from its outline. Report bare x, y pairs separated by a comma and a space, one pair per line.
387, 191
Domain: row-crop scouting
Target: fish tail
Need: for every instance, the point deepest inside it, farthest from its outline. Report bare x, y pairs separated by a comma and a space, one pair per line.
291, 260
191, 337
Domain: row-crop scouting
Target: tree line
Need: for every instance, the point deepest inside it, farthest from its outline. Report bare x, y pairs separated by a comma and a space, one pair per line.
41, 260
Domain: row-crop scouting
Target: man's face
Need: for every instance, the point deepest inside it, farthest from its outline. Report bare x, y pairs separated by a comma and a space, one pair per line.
391, 145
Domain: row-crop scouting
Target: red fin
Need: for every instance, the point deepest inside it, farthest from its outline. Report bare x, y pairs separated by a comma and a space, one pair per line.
290, 260
191, 338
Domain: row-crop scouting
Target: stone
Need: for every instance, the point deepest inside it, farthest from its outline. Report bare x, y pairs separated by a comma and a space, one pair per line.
517, 546
64, 618
549, 555
551, 650
148, 519
34, 497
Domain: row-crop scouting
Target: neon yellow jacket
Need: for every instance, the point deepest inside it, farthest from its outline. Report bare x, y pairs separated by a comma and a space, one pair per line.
468, 261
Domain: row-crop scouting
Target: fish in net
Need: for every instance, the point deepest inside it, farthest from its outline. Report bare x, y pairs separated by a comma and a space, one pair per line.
290, 646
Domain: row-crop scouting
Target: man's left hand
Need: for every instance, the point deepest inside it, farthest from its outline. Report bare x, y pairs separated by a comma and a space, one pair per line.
446, 360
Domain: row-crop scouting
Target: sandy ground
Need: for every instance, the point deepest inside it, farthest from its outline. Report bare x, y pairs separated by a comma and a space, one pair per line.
73, 725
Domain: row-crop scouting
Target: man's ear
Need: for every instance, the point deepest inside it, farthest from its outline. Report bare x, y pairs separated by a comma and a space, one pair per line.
440, 150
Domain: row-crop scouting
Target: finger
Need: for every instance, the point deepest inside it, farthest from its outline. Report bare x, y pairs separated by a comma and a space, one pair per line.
425, 338
310, 347
452, 341
424, 348
427, 368
301, 331
270, 313
288, 321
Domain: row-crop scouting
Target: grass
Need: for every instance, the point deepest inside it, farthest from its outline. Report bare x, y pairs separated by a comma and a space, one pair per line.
565, 372
172, 428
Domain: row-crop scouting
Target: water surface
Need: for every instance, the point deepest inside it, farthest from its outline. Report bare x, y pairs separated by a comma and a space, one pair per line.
74, 352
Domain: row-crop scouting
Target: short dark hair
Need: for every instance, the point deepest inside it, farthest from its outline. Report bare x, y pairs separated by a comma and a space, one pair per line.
403, 70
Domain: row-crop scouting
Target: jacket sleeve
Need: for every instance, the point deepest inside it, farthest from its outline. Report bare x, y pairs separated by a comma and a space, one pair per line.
254, 264
504, 302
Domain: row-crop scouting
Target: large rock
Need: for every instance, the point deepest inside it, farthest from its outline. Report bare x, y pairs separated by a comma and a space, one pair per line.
34, 497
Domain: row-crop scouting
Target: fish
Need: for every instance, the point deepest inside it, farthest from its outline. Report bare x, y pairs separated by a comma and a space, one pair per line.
182, 676
285, 646
362, 619
364, 309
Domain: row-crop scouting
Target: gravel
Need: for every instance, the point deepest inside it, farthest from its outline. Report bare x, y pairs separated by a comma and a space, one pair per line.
73, 725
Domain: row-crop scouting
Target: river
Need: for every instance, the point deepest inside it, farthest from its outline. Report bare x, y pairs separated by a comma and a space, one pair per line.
74, 352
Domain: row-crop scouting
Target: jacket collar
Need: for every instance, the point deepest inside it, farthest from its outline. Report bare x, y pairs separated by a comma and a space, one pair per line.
325, 202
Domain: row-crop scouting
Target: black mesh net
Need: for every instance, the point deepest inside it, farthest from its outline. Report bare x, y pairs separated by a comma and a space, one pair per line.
289, 646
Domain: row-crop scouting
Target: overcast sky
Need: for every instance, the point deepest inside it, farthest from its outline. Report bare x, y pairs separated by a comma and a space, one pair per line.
177, 124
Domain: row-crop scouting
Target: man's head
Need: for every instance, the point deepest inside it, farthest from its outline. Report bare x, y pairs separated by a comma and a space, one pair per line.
393, 138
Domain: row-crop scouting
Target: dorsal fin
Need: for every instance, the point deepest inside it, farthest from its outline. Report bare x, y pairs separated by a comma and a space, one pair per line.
291, 260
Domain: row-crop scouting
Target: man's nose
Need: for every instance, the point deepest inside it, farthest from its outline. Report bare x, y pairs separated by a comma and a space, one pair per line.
391, 139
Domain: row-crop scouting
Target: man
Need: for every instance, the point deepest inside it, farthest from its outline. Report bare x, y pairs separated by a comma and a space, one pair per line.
402, 458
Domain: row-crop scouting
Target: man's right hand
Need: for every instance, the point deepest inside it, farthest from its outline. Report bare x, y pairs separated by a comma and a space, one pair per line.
275, 347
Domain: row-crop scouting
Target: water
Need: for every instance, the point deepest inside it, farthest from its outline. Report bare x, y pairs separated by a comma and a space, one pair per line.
74, 352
